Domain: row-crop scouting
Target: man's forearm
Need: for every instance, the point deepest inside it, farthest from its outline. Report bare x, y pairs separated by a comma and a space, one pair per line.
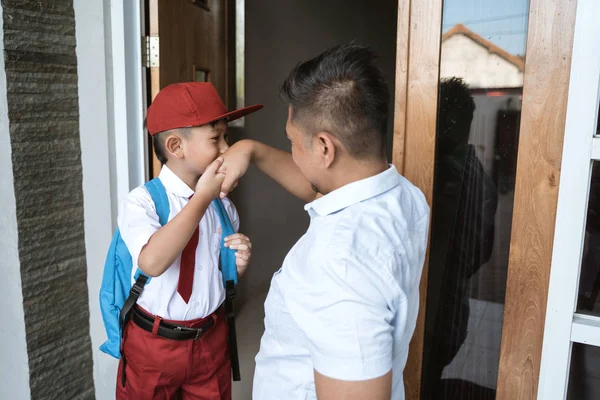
280, 166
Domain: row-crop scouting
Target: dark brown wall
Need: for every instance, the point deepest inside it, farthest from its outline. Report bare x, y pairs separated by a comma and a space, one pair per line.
279, 34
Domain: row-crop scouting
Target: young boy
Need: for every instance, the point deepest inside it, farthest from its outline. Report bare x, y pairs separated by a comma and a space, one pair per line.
175, 344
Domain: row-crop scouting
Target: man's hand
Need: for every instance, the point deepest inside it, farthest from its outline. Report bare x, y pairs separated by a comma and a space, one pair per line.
209, 184
243, 246
235, 164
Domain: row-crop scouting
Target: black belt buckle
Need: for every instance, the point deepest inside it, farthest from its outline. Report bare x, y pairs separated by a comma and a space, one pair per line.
198, 331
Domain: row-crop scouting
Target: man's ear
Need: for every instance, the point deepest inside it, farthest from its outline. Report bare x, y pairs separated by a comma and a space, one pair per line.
174, 146
327, 146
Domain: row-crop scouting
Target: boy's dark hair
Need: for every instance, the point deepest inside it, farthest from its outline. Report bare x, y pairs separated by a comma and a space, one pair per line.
342, 92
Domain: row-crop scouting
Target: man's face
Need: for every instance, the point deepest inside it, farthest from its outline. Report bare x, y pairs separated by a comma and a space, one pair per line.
302, 153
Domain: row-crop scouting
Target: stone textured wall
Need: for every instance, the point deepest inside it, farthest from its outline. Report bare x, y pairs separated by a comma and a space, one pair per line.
41, 73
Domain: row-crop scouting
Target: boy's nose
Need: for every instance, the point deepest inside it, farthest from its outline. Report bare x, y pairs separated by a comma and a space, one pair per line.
224, 147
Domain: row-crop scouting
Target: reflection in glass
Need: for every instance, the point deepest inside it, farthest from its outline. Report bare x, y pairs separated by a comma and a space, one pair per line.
584, 375
589, 280
481, 83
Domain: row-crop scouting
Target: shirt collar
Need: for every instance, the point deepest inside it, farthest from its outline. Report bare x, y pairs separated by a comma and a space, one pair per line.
174, 184
354, 193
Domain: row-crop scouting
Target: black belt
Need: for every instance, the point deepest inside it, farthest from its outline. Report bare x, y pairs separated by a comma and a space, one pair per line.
167, 330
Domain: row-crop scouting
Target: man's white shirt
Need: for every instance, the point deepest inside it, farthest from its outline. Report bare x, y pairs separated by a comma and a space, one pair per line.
345, 301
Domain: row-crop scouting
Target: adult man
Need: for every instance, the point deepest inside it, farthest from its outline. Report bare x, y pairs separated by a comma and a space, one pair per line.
341, 311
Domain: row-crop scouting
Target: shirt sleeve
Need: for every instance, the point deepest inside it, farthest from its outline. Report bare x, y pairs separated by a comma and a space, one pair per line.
138, 221
233, 214
344, 305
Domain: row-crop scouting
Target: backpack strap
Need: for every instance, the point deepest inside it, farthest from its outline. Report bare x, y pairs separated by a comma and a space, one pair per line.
230, 278
134, 294
161, 203
232, 335
227, 257
159, 195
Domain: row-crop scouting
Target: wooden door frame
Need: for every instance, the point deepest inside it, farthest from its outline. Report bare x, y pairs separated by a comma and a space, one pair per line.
549, 44
417, 74
154, 77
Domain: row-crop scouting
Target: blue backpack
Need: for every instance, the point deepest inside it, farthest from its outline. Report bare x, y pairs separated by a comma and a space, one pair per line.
118, 296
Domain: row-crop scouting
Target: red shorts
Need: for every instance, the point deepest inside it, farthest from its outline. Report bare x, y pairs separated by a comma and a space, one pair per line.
158, 368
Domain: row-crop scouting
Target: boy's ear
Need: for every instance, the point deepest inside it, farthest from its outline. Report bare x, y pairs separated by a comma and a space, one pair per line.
173, 146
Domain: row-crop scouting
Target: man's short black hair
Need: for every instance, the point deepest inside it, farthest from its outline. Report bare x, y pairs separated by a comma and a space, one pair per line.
343, 92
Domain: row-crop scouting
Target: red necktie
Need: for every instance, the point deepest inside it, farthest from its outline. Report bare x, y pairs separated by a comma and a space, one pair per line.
187, 266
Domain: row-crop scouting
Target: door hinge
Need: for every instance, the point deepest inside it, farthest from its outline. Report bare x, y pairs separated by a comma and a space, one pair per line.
150, 54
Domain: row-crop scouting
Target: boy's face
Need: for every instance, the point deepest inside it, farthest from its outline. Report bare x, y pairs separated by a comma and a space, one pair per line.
204, 145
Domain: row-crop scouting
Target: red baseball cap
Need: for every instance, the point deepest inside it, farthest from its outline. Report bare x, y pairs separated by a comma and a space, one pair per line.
189, 104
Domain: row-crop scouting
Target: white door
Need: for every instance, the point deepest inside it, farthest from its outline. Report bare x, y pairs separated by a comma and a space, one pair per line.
570, 366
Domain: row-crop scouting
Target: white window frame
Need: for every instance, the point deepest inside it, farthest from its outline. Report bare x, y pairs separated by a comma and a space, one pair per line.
113, 155
126, 101
563, 326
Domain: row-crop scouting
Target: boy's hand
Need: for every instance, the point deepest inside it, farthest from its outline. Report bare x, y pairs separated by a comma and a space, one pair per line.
210, 182
242, 244
235, 164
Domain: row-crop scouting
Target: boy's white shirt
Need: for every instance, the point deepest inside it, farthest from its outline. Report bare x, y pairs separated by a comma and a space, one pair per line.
138, 221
